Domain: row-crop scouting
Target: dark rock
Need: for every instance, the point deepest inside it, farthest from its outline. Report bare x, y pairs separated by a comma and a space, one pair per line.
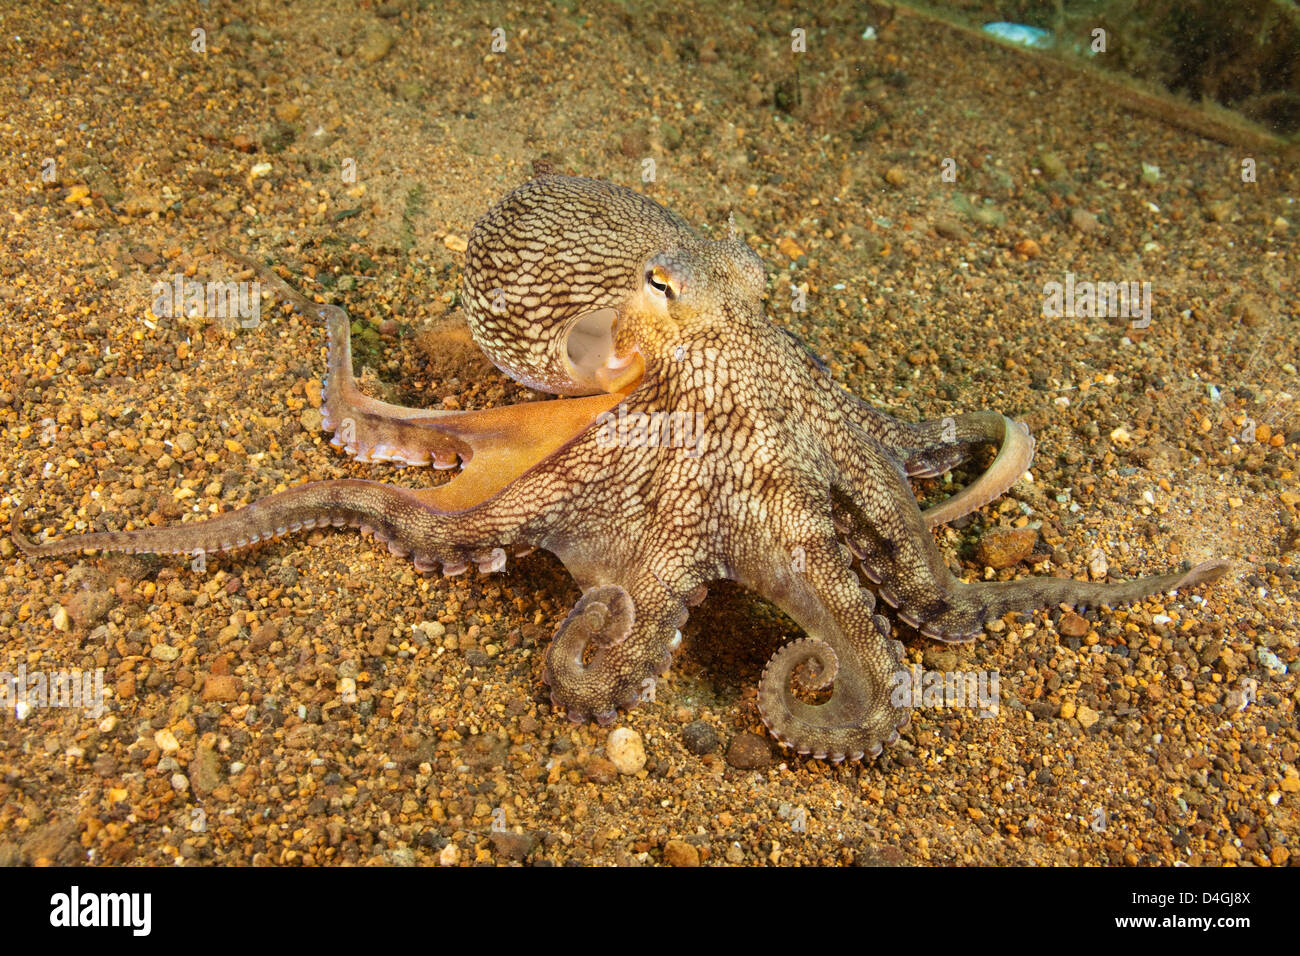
601, 770
699, 738
88, 608
749, 752
514, 846
1042, 709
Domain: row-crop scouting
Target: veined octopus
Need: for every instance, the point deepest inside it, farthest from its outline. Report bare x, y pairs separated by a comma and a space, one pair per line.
708, 444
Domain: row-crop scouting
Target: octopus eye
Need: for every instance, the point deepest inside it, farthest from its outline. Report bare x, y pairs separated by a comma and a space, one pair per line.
660, 282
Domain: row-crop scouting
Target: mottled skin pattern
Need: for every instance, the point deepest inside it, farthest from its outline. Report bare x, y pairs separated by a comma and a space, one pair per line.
794, 487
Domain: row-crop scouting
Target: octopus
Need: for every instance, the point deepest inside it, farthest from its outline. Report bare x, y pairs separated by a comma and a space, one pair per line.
691, 440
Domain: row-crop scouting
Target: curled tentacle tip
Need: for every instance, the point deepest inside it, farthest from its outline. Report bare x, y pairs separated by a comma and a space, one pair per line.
1206, 571
811, 662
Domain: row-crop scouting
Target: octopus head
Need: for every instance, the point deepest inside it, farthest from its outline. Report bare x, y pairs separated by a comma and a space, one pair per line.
570, 284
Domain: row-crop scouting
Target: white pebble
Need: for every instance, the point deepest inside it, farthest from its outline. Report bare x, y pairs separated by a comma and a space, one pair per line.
625, 750
1098, 566
1272, 663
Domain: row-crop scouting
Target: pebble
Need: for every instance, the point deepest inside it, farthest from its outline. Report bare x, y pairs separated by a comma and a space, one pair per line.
625, 750
401, 856
1220, 211
950, 228
220, 687
165, 653
374, 45
600, 770
1098, 567
1272, 663
1072, 625
699, 738
513, 846
265, 635
1084, 221
790, 248
166, 741
205, 770
1052, 166
681, 853
749, 752
1087, 716
88, 608
634, 144
895, 176
1004, 547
